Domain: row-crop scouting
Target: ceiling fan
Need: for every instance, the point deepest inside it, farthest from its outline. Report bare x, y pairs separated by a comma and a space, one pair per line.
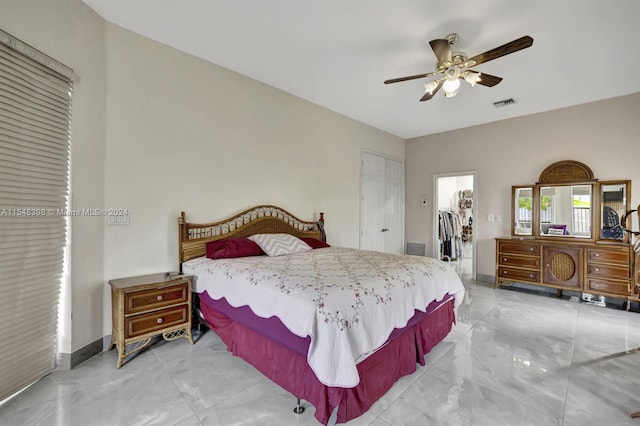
454, 66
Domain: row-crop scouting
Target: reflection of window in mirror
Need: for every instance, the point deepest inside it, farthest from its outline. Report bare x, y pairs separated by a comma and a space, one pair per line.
565, 210
581, 218
547, 202
523, 203
613, 199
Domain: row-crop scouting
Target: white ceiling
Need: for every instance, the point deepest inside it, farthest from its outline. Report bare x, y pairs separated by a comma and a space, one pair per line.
337, 53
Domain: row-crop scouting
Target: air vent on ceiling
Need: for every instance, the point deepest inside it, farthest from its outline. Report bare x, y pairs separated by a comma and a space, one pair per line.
503, 103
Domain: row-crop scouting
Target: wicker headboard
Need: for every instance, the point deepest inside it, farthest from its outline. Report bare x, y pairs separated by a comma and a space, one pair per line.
193, 237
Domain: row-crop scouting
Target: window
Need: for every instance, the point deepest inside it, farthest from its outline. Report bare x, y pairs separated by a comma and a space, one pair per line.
35, 111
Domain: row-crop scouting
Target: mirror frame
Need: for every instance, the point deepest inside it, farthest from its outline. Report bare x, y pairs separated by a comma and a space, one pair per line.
514, 214
625, 207
563, 173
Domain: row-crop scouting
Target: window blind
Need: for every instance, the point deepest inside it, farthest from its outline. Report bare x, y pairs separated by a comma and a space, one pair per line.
35, 112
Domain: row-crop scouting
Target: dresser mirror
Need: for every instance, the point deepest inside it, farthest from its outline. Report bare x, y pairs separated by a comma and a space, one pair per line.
613, 205
522, 203
565, 210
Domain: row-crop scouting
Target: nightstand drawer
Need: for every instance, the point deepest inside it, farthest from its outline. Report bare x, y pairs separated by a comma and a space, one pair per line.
158, 320
519, 275
156, 298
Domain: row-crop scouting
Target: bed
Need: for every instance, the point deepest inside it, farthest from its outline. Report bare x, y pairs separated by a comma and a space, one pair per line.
334, 326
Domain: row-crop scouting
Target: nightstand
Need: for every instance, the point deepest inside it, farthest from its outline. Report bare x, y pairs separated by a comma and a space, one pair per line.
146, 306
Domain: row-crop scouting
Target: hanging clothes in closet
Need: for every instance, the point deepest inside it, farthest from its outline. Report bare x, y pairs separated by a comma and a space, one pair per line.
465, 206
450, 234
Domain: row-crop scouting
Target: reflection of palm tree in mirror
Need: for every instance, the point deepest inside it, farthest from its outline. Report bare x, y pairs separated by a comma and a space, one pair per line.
524, 203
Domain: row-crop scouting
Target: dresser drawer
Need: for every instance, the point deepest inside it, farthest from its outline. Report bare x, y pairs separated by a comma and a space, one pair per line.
519, 247
158, 320
519, 275
156, 298
608, 255
607, 271
519, 261
608, 286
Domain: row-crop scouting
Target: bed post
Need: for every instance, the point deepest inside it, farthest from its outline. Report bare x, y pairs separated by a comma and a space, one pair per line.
321, 227
182, 232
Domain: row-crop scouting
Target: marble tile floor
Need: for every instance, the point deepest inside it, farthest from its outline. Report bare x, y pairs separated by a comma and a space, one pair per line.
514, 358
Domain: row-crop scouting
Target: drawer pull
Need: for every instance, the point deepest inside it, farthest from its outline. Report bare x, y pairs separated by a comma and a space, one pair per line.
159, 320
530, 275
159, 298
504, 259
504, 272
596, 254
596, 269
530, 248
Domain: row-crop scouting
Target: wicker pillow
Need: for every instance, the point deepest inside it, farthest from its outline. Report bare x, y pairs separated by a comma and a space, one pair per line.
280, 244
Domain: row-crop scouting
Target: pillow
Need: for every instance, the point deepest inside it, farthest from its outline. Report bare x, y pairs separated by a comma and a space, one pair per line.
233, 247
315, 243
280, 244
555, 231
558, 226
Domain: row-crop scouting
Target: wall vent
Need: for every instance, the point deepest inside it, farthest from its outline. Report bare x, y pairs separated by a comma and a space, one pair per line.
503, 103
416, 249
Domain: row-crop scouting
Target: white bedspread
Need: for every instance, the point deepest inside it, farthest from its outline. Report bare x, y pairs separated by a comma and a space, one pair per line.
347, 300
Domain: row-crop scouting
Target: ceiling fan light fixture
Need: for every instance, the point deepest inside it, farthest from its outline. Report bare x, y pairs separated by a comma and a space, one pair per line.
451, 87
450, 94
472, 77
431, 86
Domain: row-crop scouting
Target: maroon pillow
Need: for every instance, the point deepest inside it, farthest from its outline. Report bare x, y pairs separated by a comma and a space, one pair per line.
232, 247
315, 243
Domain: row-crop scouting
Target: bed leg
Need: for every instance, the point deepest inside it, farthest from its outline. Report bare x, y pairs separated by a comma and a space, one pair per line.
195, 312
299, 408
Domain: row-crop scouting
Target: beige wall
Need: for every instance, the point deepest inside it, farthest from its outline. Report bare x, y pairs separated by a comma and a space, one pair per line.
73, 34
184, 134
176, 133
173, 133
604, 135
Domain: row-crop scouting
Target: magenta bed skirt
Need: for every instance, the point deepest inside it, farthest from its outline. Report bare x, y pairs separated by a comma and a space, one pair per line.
378, 372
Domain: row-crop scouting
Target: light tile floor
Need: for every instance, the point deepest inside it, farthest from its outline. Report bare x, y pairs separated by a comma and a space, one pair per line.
514, 358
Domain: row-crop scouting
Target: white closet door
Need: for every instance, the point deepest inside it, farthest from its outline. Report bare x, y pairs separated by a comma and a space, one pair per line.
394, 208
382, 204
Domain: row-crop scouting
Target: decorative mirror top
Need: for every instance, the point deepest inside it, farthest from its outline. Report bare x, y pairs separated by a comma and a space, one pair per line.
566, 171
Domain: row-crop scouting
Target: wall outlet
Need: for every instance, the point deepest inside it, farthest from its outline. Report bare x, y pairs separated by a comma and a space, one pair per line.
424, 200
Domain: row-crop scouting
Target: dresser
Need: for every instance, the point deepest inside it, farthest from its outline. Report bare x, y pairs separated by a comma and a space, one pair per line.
571, 231
595, 268
146, 306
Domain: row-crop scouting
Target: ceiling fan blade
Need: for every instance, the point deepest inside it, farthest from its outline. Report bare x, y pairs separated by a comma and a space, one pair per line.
489, 80
442, 50
429, 94
410, 77
505, 49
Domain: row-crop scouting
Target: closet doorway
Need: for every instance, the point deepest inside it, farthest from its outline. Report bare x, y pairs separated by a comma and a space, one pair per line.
455, 226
